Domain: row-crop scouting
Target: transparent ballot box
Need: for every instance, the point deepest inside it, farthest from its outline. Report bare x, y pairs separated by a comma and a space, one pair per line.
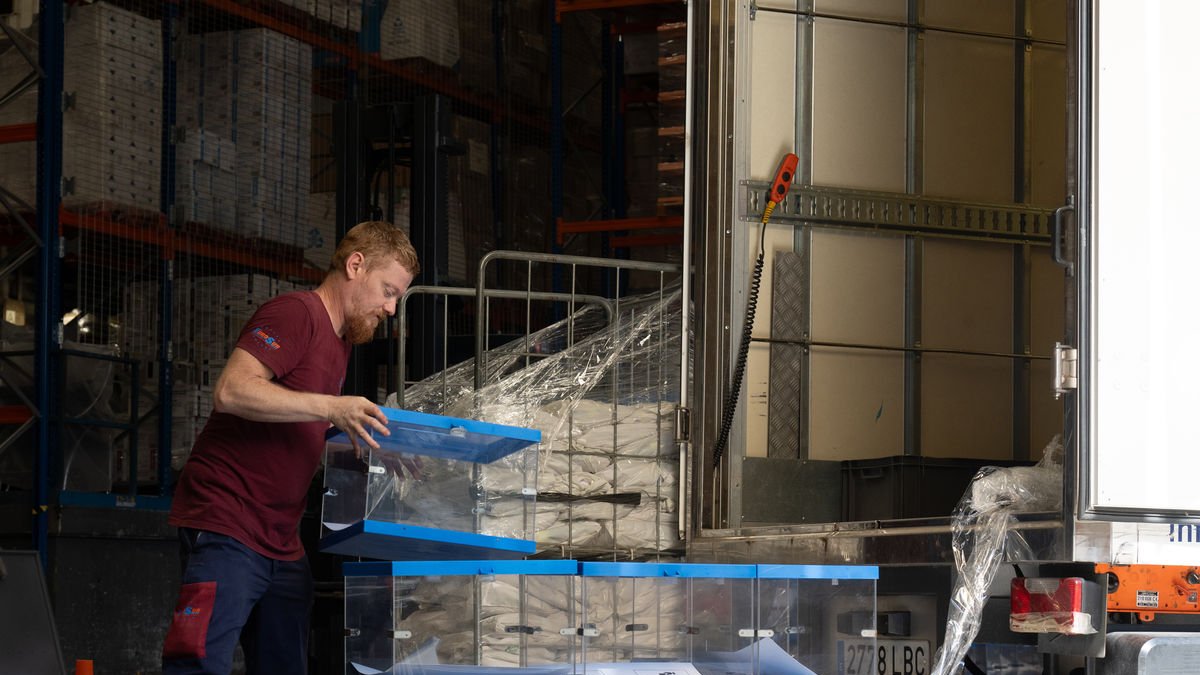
461, 616
437, 488
819, 619
697, 618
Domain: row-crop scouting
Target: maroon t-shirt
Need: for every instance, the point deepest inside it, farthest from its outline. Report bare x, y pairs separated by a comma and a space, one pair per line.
249, 480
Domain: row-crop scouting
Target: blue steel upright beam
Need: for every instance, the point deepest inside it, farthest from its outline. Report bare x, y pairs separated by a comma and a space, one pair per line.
166, 290
49, 313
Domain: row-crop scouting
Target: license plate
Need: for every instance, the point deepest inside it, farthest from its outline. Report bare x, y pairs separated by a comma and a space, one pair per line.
883, 657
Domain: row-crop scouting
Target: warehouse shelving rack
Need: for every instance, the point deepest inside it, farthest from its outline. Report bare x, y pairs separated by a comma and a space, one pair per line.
19, 418
159, 235
120, 535
619, 232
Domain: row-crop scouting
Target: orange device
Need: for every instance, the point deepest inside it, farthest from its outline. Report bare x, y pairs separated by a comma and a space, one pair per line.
779, 188
1147, 590
783, 177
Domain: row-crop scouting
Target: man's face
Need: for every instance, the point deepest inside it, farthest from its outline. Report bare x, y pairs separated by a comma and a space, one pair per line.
374, 297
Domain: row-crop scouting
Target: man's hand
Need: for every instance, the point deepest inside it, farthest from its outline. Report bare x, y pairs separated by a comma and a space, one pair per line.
358, 417
402, 465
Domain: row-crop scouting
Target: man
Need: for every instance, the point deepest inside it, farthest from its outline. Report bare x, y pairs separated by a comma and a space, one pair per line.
243, 490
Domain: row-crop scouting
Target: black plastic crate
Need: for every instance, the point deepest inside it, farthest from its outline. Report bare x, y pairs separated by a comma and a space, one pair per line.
905, 486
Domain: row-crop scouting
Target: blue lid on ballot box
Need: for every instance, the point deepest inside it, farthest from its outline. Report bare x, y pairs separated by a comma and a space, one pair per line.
818, 572
398, 541
448, 437
682, 570
450, 568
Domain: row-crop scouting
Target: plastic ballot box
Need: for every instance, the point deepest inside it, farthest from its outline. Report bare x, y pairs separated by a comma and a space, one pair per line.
652, 613
462, 616
819, 617
437, 488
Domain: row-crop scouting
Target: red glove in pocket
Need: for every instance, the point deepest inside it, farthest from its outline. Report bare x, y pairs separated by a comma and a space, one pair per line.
188, 634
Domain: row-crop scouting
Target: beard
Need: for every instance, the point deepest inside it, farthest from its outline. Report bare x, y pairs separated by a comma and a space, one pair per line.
360, 329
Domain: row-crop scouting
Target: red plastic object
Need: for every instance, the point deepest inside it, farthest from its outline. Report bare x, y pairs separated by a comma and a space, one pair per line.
1048, 605
783, 177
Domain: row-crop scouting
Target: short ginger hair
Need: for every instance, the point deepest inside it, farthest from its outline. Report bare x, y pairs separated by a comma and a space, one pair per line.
378, 241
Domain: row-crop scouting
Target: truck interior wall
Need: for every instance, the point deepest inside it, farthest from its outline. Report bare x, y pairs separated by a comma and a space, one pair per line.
858, 105
966, 303
860, 412
984, 120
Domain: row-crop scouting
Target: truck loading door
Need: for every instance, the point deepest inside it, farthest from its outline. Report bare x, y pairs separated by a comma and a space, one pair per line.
1136, 411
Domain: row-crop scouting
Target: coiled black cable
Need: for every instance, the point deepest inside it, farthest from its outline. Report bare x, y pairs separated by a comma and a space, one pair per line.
739, 366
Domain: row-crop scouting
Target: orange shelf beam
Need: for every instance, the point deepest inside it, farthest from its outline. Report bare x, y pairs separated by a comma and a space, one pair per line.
18, 133
563, 6
15, 414
617, 225
674, 96
156, 233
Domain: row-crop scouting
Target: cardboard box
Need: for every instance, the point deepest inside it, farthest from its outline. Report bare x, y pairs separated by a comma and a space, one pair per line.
104, 25
426, 29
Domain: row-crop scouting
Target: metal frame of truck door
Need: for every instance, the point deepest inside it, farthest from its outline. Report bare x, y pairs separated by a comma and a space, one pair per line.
1086, 488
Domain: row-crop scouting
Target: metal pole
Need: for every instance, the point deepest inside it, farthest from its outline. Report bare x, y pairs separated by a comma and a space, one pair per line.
428, 228
49, 195
556, 136
166, 375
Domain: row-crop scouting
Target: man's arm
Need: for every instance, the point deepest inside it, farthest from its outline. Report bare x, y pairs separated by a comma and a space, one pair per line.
247, 389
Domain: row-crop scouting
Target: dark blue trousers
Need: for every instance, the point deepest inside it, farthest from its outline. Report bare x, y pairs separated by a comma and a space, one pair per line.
229, 594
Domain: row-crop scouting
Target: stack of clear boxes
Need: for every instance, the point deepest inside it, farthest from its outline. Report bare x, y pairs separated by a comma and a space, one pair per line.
693, 617
437, 488
462, 616
821, 617
552, 617
445, 500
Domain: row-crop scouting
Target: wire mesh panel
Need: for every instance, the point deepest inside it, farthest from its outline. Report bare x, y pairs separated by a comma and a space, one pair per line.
597, 375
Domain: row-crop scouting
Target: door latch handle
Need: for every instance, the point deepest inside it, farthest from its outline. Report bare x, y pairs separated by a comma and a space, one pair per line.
1057, 234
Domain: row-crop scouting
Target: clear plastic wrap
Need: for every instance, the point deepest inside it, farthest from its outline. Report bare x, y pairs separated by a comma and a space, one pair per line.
983, 540
602, 388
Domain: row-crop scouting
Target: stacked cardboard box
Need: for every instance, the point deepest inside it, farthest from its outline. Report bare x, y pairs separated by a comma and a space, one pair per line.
425, 29
191, 405
112, 117
527, 204
344, 14
471, 177
320, 238
112, 113
139, 321
208, 314
18, 161
526, 48
253, 89
206, 179
477, 62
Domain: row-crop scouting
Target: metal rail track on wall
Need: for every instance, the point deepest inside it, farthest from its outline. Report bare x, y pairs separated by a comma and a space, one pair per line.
912, 214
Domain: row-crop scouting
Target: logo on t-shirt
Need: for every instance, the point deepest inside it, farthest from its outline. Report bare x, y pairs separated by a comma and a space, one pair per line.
268, 341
